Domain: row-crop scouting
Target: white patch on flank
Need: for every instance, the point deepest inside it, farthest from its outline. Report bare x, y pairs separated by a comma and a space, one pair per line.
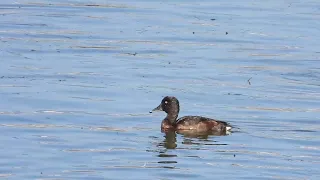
228, 128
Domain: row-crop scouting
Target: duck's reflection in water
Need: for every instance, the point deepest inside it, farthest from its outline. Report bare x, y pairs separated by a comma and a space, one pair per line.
201, 135
170, 140
189, 137
169, 143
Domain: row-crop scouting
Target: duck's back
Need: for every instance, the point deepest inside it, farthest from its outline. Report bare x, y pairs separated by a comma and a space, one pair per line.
201, 124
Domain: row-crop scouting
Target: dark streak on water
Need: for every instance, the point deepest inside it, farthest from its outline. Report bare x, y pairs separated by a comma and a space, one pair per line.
77, 80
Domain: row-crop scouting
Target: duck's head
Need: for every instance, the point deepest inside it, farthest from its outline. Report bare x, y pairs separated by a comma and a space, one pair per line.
169, 104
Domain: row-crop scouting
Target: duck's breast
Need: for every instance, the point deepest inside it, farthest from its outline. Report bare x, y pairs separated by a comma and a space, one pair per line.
166, 125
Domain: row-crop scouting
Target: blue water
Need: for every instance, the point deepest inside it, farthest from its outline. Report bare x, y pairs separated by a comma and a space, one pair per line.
78, 79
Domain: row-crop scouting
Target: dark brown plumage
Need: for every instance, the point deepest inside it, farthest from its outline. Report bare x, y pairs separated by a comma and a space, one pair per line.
196, 124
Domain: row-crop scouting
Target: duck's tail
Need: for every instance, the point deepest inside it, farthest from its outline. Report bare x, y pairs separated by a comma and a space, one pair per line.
228, 128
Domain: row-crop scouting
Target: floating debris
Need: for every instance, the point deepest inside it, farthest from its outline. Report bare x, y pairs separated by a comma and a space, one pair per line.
249, 81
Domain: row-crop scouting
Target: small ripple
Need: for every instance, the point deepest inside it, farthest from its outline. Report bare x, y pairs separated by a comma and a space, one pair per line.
267, 167
5, 175
145, 165
167, 162
167, 155
79, 171
92, 99
99, 150
38, 126
282, 109
311, 147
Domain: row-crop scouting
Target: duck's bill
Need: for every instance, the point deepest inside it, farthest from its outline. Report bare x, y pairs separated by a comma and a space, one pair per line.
159, 108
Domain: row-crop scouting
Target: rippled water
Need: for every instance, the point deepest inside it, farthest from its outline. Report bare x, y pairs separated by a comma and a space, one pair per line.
78, 78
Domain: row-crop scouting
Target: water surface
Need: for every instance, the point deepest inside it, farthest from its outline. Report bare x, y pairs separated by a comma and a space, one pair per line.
77, 80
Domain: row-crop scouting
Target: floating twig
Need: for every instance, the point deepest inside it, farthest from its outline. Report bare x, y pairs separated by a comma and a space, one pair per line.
249, 81
133, 54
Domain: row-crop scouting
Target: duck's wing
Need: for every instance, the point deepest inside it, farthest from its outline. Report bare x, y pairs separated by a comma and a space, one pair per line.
192, 120
202, 123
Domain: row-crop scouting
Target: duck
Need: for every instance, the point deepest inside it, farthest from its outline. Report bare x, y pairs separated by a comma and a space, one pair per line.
188, 124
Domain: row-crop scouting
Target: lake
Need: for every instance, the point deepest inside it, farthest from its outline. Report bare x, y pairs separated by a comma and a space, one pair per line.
78, 79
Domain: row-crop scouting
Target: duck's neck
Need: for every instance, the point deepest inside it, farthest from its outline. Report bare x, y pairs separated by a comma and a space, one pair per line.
171, 118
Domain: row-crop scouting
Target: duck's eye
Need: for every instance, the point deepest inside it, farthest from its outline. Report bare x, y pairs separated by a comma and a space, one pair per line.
166, 102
